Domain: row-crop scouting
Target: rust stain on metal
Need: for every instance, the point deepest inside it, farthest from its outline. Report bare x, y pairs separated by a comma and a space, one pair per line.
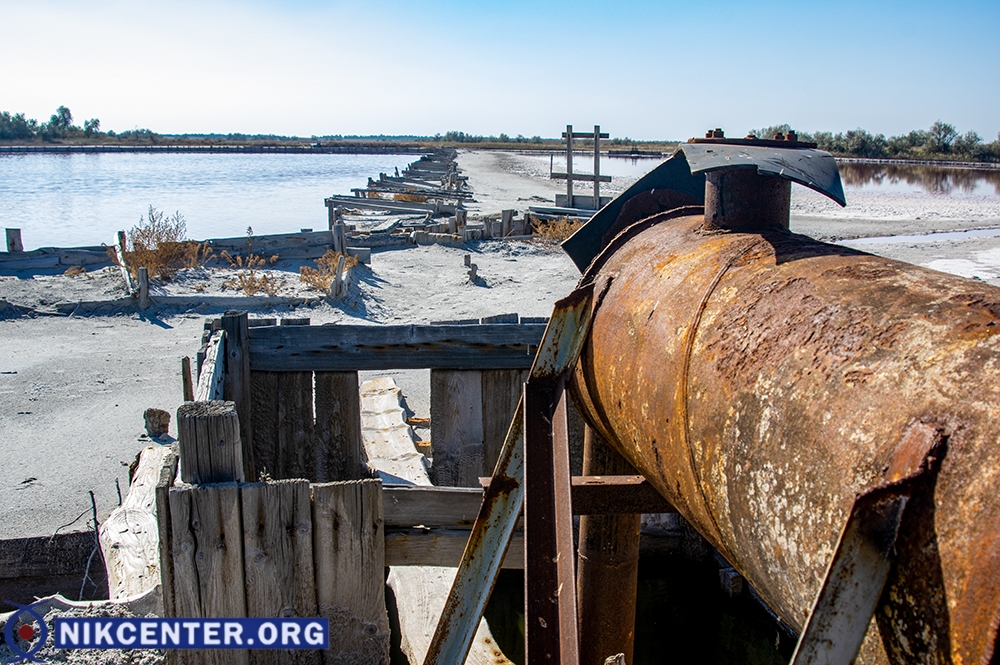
816, 373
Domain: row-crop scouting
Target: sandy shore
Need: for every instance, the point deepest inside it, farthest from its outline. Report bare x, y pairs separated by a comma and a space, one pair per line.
73, 389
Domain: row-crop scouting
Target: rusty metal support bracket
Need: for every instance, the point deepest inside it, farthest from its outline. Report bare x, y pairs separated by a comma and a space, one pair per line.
854, 581
504, 498
860, 566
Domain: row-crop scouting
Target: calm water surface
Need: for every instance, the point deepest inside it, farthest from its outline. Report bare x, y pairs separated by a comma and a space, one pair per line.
936, 180
78, 199
81, 199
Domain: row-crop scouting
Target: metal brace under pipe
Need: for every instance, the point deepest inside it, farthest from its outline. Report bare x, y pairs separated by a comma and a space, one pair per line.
504, 498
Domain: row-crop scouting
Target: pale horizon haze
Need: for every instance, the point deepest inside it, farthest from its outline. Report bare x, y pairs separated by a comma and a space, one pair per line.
646, 70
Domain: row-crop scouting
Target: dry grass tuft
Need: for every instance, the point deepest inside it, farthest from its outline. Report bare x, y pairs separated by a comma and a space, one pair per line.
555, 230
321, 277
250, 280
159, 244
412, 198
75, 270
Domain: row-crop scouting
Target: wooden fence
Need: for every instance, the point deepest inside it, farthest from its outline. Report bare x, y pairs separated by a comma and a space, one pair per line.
313, 535
274, 512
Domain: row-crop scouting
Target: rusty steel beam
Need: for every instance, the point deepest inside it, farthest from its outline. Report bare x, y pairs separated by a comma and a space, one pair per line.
558, 352
762, 380
607, 566
612, 495
549, 581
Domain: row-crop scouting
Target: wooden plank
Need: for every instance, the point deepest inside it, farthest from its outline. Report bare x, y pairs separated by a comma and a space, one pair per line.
500, 392
163, 484
420, 589
355, 347
349, 555
499, 318
588, 177
278, 551
456, 427
236, 380
182, 546
264, 412
46, 556
211, 372
208, 560
295, 444
440, 547
208, 436
207, 555
417, 505
277, 243
339, 454
130, 535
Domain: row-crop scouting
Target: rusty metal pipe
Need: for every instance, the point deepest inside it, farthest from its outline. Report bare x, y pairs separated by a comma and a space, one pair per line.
761, 381
743, 200
607, 566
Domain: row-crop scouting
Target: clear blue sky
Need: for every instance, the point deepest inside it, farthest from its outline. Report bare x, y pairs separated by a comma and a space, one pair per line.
646, 69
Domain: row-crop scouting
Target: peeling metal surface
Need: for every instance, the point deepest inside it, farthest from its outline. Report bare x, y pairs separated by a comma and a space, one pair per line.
762, 381
504, 497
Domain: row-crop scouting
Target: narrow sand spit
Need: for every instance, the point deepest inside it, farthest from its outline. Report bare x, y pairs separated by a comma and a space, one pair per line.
73, 389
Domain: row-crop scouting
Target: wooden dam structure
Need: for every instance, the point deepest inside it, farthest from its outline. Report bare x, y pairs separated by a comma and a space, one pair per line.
273, 507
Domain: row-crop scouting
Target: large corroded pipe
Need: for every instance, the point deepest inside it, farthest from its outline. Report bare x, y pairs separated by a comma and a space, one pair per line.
762, 381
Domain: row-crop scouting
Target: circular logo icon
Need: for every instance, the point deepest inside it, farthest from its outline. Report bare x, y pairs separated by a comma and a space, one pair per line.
25, 626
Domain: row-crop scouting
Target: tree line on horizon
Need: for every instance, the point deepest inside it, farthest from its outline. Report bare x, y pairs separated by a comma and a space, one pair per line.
942, 141
16, 127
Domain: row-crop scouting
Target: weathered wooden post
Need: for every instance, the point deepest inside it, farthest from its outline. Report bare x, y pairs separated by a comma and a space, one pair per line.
236, 380
607, 565
120, 247
14, 240
143, 288
569, 166
597, 185
208, 435
457, 427
186, 379
506, 222
337, 286
278, 568
461, 219
349, 556
340, 453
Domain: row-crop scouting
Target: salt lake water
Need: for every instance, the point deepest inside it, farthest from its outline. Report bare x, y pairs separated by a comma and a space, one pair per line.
69, 200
